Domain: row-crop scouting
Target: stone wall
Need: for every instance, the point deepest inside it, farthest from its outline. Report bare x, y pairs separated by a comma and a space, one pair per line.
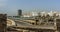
3, 23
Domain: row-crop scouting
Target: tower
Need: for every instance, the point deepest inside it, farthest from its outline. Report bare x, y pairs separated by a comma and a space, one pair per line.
19, 12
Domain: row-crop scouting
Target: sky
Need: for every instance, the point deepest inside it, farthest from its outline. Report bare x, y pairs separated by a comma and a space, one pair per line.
12, 6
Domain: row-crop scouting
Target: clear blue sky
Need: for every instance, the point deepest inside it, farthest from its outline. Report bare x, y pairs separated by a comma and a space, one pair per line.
11, 6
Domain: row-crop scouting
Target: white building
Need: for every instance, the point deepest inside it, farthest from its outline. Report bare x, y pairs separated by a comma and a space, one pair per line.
50, 13
30, 14
43, 13
34, 14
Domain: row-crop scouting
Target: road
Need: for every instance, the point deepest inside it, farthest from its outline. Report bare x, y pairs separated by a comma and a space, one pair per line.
27, 25
21, 23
